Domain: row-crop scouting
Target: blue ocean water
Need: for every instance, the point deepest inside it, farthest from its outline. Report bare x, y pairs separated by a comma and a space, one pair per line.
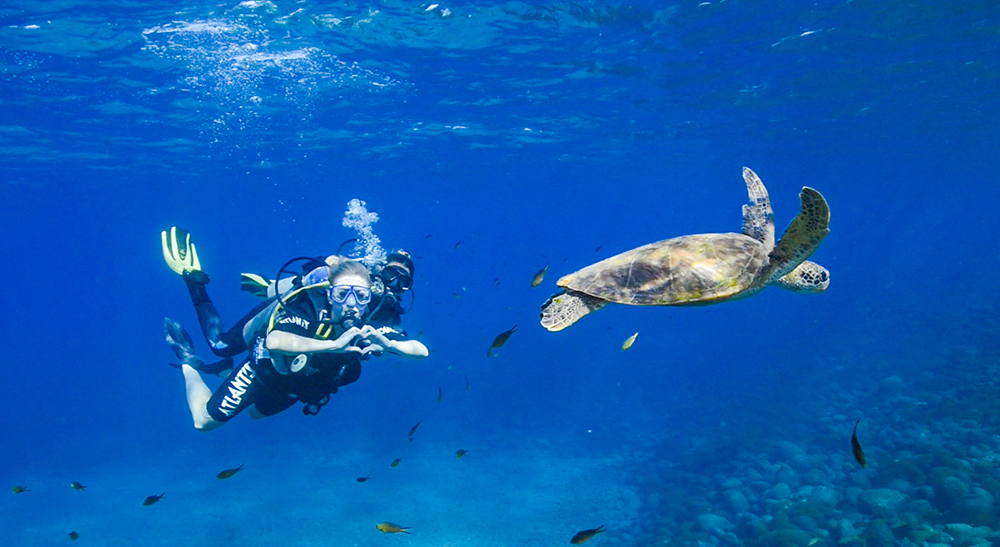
493, 140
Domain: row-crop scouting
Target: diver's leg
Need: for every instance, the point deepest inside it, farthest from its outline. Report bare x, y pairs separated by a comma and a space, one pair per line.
208, 316
223, 343
233, 338
237, 392
198, 396
273, 400
179, 341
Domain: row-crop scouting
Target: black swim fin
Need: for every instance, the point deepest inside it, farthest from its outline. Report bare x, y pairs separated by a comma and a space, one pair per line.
179, 341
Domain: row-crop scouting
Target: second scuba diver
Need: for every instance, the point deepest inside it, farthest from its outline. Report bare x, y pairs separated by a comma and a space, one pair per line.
304, 344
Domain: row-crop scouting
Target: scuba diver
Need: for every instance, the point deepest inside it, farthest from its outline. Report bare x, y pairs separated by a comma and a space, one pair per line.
306, 343
389, 284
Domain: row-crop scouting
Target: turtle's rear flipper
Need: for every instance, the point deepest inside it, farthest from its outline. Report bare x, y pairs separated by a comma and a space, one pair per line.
803, 235
565, 308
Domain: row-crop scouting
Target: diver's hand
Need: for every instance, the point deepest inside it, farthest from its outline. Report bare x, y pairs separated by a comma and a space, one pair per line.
373, 349
343, 342
372, 334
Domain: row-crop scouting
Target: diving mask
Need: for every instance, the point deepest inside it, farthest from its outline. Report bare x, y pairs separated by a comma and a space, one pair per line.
341, 294
397, 278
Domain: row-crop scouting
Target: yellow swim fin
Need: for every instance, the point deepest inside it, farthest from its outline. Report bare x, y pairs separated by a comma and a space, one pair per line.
254, 284
179, 252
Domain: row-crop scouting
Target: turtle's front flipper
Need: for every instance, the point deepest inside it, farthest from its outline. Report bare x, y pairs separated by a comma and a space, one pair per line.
567, 307
802, 237
807, 277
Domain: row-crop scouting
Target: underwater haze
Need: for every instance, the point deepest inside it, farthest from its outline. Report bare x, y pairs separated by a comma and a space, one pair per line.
493, 140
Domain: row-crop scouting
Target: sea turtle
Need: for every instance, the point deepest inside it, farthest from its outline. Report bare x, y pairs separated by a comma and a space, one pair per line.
697, 270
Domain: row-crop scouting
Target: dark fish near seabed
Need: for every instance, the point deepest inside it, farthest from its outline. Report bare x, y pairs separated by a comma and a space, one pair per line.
467, 388
439, 394
500, 340
856, 446
584, 536
414, 428
19, 489
74, 536
229, 472
537, 280
364, 479
390, 528
598, 248
77, 486
457, 245
150, 500
395, 462
461, 452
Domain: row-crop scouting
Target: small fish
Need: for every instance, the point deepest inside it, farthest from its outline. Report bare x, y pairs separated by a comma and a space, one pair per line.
153, 499
19, 489
598, 249
628, 343
364, 479
229, 473
584, 536
414, 428
812, 542
74, 536
455, 295
467, 388
500, 340
77, 486
395, 462
439, 394
461, 452
390, 528
457, 245
537, 280
428, 236
496, 282
856, 446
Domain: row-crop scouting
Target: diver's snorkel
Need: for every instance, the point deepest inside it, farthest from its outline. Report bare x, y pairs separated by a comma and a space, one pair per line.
413, 300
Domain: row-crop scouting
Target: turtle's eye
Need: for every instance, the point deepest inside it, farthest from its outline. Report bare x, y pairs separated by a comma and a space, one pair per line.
822, 276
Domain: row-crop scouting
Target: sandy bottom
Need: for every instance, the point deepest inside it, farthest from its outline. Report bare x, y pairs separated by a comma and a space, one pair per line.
525, 493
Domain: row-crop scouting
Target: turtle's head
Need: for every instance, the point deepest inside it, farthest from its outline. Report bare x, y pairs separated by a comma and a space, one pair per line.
806, 277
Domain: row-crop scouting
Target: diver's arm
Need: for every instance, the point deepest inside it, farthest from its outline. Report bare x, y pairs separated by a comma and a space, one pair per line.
407, 348
288, 343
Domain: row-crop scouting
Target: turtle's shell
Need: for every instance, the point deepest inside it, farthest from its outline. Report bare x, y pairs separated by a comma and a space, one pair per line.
693, 269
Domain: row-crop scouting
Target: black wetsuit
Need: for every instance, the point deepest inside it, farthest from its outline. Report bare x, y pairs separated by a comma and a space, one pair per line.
258, 382
224, 343
229, 343
386, 310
